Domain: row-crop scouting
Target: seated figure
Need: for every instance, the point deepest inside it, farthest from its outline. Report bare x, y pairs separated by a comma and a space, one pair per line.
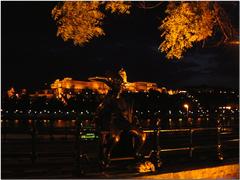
112, 118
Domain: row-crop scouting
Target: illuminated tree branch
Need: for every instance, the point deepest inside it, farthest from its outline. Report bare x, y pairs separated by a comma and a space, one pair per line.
81, 21
225, 25
144, 6
188, 23
185, 24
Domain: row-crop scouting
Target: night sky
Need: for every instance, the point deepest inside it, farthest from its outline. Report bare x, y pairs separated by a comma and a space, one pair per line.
32, 55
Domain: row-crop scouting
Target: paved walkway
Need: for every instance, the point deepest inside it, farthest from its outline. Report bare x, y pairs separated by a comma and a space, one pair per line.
220, 172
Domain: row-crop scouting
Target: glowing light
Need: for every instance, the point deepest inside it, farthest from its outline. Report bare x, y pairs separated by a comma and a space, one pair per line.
186, 106
146, 167
144, 137
234, 42
117, 138
182, 91
228, 107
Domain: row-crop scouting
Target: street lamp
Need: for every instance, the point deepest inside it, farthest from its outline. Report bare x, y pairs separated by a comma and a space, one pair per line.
187, 107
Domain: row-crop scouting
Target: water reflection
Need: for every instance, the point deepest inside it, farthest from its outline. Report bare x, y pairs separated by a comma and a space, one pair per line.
180, 122
73, 122
59, 124
170, 123
198, 122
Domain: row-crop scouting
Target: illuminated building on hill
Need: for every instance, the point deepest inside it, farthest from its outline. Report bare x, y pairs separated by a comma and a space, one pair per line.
140, 86
48, 93
59, 86
77, 86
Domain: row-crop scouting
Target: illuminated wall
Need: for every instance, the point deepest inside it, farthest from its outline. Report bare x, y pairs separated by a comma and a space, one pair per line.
78, 86
140, 86
67, 83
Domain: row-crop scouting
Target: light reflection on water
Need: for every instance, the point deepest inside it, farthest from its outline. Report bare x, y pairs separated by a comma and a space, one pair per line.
73, 122
46, 123
59, 124
168, 124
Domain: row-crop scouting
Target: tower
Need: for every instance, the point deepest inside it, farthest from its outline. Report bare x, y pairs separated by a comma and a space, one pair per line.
123, 74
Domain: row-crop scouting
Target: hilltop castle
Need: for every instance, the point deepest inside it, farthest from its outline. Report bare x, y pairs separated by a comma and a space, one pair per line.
99, 87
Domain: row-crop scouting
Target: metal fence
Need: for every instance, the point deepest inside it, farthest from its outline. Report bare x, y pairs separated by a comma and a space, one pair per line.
76, 130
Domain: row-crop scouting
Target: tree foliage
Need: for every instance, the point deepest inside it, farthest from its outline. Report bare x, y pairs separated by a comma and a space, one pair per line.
185, 24
191, 22
81, 21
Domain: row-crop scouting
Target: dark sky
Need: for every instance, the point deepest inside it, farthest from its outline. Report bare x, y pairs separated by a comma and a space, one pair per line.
32, 55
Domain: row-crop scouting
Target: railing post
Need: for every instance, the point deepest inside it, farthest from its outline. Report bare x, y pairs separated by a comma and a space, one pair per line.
51, 129
219, 145
191, 140
4, 132
158, 148
34, 139
78, 169
65, 129
191, 143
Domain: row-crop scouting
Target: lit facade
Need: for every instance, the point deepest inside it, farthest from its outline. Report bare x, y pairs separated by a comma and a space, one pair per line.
59, 86
100, 87
78, 86
140, 86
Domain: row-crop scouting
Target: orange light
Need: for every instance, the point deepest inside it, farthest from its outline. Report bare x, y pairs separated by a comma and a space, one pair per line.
117, 138
144, 137
228, 107
186, 106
